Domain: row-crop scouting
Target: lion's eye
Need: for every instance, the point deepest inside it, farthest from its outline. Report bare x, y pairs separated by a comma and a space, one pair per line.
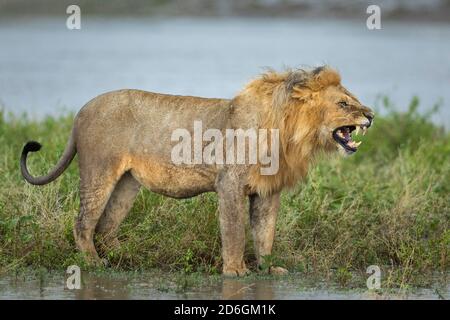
343, 104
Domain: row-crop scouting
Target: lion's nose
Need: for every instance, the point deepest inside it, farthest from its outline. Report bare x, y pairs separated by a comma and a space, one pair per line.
369, 116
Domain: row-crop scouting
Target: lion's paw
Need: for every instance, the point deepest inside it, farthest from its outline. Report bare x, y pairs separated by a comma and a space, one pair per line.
235, 272
278, 271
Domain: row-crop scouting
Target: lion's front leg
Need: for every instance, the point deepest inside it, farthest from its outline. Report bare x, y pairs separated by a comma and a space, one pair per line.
263, 216
232, 211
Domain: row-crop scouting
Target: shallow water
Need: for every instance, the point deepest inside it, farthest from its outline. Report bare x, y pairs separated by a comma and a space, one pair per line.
45, 68
163, 286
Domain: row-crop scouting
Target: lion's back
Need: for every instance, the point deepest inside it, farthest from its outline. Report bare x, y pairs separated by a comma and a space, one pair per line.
128, 121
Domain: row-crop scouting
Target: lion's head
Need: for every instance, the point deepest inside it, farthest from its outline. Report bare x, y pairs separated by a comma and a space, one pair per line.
324, 111
337, 110
313, 112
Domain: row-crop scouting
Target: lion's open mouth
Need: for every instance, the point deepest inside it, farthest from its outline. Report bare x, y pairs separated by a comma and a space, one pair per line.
343, 136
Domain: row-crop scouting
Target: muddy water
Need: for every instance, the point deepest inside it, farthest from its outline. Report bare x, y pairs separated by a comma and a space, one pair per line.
157, 286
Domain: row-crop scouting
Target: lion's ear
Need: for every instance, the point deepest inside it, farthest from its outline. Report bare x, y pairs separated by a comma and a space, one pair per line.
323, 77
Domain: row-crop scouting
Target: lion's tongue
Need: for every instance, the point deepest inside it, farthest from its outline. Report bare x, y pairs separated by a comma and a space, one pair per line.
348, 139
347, 135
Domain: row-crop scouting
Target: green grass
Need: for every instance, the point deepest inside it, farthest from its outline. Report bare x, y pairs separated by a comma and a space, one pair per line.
388, 205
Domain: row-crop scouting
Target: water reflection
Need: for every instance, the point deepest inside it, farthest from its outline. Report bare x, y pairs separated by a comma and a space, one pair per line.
166, 286
102, 287
238, 290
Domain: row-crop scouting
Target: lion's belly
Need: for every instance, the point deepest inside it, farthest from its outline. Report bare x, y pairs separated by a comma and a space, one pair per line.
174, 181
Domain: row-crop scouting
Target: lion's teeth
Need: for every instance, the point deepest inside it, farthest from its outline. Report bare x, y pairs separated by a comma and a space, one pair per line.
364, 131
353, 144
357, 130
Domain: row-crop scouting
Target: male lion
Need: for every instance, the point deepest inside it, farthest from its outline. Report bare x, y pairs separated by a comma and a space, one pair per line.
123, 141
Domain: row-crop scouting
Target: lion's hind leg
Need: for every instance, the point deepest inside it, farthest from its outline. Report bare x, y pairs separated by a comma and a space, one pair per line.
95, 191
119, 204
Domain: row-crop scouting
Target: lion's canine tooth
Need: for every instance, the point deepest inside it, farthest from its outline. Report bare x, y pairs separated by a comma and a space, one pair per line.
357, 130
357, 144
364, 131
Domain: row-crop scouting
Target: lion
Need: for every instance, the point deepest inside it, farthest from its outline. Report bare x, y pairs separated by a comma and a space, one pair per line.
123, 142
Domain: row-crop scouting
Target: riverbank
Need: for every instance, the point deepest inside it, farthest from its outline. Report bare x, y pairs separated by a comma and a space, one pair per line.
392, 10
388, 205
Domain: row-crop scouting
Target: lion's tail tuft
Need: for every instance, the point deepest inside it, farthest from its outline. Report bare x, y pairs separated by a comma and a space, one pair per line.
31, 146
63, 163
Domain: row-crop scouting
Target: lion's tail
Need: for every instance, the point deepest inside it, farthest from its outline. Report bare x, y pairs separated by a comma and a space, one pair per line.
63, 163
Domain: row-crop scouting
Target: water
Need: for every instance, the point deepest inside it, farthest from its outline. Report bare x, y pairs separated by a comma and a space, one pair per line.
46, 68
165, 286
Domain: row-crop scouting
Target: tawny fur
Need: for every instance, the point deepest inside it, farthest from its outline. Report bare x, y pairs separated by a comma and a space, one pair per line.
123, 141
